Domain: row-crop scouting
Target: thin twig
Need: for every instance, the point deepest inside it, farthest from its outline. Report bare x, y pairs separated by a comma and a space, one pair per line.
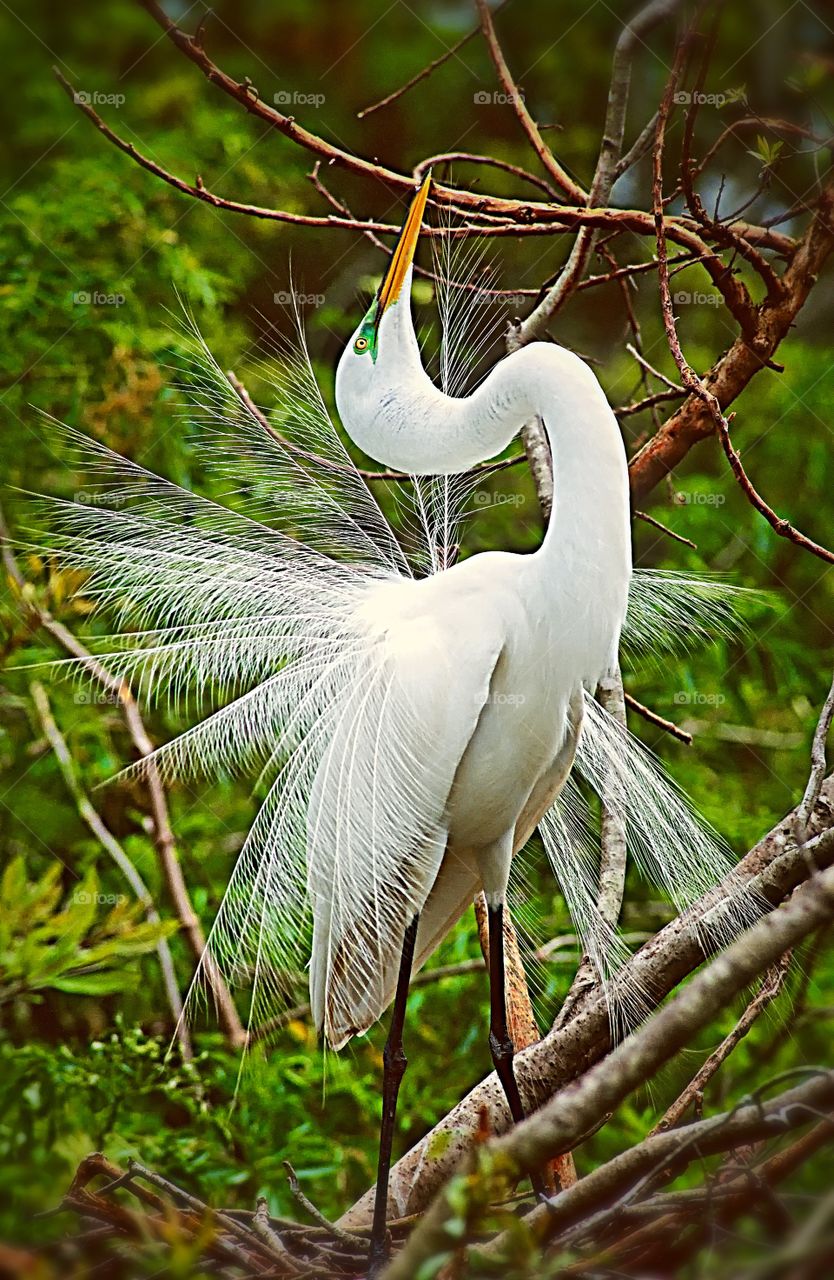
338, 1233
114, 850
661, 377
514, 95
815, 778
660, 722
469, 157
425, 72
771, 985
644, 515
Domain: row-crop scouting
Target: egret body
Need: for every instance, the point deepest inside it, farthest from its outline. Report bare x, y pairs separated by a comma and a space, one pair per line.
495, 651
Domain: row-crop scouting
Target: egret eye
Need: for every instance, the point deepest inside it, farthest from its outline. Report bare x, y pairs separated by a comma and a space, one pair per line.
361, 344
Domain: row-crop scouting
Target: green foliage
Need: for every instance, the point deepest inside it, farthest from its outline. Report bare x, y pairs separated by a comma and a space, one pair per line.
82, 947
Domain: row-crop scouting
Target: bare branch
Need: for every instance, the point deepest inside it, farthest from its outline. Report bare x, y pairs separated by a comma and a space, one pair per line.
690, 378
631, 36
769, 872
565, 1118
815, 778
647, 519
425, 72
660, 722
694, 421
771, 986
549, 162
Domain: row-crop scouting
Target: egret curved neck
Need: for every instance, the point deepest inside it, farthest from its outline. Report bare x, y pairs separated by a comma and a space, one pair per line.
398, 416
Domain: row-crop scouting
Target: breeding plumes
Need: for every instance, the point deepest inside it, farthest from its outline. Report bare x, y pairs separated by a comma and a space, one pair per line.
411, 724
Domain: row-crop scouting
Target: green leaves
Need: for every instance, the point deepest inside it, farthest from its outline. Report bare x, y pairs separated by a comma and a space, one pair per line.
767, 150
83, 942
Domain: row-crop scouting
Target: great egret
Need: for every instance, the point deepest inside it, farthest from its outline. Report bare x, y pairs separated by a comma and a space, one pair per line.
412, 731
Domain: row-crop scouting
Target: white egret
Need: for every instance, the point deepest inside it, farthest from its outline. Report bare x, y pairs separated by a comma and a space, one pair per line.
412, 731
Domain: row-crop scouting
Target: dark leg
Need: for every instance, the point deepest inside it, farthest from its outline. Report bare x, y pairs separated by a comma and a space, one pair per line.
395, 1064
501, 1046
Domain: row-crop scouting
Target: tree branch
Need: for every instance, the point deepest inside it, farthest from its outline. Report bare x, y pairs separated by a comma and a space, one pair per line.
90, 816
574, 1112
690, 378
769, 872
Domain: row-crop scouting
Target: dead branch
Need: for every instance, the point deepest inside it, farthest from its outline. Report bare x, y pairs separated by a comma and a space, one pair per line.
631, 37
516, 217
815, 778
694, 420
670, 533
660, 722
771, 986
690, 378
426, 71
548, 161
598, 1201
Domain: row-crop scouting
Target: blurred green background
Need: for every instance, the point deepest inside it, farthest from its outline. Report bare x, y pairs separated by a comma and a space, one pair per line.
82, 1040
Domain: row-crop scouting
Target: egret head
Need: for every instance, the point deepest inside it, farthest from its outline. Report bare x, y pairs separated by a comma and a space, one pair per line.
383, 349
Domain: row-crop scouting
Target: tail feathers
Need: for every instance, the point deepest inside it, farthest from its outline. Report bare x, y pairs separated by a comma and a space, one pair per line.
674, 849
349, 994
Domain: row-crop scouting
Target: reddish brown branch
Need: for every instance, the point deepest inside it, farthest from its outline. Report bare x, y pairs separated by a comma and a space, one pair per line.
696, 418
560, 176
522, 217
660, 722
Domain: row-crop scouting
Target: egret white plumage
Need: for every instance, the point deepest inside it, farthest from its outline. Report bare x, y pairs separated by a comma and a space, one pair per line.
412, 731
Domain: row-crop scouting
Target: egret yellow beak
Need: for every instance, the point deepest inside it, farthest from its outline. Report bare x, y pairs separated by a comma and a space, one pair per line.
403, 256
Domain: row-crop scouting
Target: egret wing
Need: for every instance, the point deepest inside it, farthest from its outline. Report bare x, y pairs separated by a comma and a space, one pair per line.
377, 818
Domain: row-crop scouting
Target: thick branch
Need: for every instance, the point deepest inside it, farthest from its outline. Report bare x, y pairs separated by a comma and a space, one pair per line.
693, 421
772, 869
575, 1111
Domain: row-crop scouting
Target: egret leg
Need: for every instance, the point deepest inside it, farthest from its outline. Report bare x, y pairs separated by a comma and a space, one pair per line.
395, 1063
500, 1042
